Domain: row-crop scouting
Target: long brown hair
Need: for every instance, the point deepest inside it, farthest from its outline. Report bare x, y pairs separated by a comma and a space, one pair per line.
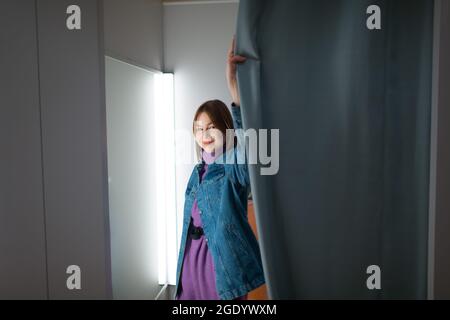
220, 116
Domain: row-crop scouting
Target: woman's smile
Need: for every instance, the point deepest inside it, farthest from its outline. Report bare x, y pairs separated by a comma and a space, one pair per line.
207, 143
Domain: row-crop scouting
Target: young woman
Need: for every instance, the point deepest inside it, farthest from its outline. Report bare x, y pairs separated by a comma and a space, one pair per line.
219, 256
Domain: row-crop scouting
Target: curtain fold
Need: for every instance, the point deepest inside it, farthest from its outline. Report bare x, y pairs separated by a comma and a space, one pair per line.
353, 107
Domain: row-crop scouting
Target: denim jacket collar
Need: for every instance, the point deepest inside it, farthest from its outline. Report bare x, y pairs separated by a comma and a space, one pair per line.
215, 169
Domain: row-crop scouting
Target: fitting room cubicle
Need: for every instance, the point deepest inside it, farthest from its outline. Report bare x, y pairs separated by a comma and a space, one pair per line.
362, 115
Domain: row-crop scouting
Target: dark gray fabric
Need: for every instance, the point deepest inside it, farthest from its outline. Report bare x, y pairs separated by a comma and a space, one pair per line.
353, 108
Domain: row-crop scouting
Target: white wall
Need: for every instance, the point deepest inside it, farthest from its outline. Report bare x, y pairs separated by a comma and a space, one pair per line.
196, 39
132, 209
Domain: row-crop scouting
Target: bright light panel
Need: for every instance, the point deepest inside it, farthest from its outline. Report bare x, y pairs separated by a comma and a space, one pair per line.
165, 178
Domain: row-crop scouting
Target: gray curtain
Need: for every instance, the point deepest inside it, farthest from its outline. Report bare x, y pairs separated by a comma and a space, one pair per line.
353, 107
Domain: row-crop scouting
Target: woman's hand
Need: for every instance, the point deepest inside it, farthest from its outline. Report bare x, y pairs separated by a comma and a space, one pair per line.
232, 62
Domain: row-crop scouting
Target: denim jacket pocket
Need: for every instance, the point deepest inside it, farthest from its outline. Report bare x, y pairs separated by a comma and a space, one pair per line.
237, 241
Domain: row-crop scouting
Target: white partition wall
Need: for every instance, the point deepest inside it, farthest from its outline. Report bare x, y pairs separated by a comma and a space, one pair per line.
132, 174
22, 223
53, 183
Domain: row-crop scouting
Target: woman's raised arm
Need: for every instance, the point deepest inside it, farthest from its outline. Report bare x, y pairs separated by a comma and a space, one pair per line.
240, 166
232, 61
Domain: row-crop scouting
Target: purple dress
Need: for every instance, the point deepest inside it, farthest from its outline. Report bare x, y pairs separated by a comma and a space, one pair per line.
198, 281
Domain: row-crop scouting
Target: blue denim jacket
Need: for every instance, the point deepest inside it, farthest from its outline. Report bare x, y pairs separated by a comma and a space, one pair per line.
222, 200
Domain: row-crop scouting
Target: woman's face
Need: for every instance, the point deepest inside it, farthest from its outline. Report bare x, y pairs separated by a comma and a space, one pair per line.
207, 136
